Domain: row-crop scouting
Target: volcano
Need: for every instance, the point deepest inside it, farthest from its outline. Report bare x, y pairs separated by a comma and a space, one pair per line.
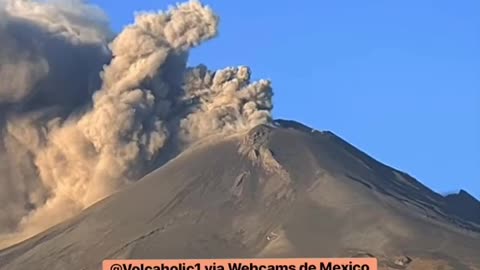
277, 190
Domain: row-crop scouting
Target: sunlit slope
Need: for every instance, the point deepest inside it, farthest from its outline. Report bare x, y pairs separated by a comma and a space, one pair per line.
283, 191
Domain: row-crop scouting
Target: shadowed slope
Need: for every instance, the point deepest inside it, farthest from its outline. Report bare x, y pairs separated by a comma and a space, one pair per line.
279, 191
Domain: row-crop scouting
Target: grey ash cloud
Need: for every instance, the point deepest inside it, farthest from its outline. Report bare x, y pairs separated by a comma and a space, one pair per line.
84, 111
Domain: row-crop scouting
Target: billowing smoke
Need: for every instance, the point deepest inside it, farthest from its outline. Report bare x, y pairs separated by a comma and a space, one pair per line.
84, 112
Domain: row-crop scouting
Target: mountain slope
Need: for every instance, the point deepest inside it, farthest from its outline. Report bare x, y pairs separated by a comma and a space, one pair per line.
275, 191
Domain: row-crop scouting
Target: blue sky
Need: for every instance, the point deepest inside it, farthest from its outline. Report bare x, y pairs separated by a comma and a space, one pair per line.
398, 79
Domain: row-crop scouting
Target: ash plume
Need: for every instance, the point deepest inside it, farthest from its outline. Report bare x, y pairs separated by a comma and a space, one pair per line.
84, 112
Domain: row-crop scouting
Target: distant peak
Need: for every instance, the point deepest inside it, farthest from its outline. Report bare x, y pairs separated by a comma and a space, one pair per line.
463, 195
464, 205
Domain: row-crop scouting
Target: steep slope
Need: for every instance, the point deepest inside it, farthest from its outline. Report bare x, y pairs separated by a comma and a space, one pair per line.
275, 191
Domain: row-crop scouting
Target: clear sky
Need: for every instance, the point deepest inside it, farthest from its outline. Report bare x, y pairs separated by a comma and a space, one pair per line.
399, 79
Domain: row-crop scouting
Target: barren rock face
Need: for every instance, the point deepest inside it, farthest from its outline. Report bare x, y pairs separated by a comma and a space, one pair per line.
275, 191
